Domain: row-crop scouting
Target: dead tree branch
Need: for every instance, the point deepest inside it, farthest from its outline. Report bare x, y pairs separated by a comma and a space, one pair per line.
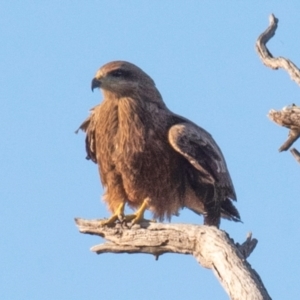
211, 247
266, 56
296, 154
290, 116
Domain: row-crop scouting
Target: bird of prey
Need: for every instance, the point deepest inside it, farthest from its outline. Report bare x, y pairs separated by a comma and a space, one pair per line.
149, 157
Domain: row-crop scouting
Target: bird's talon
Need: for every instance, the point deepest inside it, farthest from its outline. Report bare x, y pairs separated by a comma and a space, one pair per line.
118, 216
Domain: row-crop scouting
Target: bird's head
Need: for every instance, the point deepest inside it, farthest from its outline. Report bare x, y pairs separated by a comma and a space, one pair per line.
121, 78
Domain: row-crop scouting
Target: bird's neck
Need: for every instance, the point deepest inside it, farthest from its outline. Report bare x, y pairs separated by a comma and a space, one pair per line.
124, 119
132, 119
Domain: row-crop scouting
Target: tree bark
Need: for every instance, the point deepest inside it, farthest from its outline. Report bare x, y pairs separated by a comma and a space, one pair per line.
289, 116
211, 247
296, 154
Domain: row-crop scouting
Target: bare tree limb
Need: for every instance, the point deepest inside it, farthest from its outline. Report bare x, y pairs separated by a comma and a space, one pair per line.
266, 56
289, 116
248, 246
211, 247
292, 137
296, 154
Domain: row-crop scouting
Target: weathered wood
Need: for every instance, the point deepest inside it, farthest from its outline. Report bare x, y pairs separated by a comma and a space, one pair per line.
296, 154
289, 116
211, 247
266, 56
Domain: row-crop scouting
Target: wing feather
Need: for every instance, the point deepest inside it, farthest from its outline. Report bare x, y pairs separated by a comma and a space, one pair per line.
88, 126
203, 153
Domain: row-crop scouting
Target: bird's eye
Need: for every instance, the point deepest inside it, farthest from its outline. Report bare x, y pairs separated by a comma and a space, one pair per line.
117, 73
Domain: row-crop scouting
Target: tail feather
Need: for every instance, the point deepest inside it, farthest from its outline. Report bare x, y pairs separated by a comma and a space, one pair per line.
229, 211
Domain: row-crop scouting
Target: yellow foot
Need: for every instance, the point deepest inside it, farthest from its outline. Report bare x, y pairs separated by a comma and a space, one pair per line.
138, 216
117, 216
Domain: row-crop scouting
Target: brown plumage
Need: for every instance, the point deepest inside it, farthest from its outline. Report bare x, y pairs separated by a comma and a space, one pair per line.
146, 152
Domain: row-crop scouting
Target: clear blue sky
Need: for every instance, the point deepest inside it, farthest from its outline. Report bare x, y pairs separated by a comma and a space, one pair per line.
202, 58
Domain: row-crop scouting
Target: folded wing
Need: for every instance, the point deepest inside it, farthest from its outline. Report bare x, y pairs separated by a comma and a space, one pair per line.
200, 149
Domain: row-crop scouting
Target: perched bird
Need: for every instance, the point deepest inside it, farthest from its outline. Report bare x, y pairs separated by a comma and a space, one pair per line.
151, 158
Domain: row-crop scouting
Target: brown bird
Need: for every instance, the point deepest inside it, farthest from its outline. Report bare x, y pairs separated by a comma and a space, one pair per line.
151, 158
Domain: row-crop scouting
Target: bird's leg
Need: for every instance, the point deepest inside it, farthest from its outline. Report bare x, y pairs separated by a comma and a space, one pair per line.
118, 215
212, 208
212, 218
138, 216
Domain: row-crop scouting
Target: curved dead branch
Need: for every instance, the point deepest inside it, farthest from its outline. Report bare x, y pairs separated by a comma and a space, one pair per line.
211, 247
289, 116
266, 56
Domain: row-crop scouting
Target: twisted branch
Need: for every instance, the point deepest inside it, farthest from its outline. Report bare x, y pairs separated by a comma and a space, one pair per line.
288, 116
266, 56
211, 247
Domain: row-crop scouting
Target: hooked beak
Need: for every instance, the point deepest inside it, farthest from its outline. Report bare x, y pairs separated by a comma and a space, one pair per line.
96, 83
